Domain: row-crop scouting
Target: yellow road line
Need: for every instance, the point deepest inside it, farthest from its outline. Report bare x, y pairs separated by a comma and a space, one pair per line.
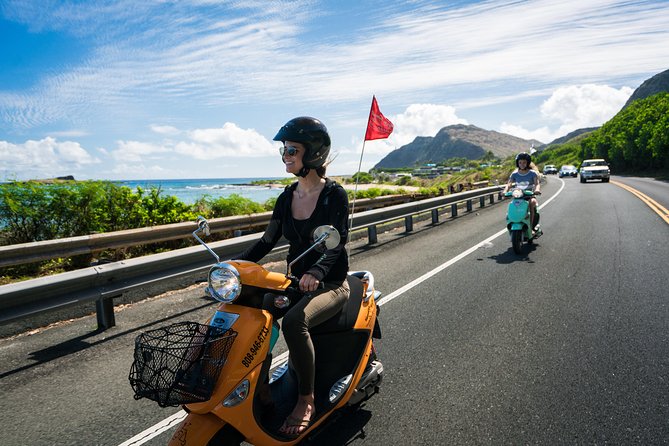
654, 205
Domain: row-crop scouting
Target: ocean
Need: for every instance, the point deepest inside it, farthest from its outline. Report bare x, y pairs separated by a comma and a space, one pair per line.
190, 190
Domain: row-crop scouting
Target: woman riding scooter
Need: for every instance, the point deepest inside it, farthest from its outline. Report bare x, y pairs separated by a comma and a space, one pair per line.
312, 201
526, 178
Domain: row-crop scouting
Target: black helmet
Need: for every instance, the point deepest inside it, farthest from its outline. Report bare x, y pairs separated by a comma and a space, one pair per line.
524, 156
313, 134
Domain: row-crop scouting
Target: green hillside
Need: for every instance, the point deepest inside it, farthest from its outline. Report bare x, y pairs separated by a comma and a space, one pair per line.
635, 140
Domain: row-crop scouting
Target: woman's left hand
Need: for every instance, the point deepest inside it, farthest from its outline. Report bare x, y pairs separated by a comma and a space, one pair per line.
308, 283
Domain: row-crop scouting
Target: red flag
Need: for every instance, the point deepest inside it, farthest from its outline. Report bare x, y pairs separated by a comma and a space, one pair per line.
378, 126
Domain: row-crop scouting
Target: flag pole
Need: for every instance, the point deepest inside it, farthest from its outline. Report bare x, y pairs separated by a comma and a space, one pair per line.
355, 190
378, 127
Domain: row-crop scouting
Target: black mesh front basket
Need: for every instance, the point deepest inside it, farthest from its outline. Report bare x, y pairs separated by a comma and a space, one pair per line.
179, 364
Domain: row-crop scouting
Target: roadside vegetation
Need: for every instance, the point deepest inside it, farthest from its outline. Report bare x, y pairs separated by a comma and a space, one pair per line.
34, 211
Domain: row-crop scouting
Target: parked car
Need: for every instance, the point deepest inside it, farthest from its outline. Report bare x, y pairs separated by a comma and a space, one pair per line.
550, 169
595, 169
568, 171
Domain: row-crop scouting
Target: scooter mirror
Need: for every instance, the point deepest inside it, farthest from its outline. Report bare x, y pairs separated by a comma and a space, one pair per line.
203, 225
325, 237
331, 240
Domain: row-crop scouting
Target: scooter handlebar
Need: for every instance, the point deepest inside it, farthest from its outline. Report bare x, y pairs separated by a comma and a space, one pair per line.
293, 291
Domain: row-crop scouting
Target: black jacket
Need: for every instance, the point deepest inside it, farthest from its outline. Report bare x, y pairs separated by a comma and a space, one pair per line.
331, 209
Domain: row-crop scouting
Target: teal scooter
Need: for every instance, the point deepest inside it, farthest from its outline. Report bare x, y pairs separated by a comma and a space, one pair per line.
518, 219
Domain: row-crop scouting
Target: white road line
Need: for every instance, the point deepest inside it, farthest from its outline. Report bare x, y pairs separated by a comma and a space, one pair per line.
168, 423
155, 430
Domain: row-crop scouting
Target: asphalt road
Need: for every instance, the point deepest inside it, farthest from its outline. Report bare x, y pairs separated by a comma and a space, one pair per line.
566, 344
656, 190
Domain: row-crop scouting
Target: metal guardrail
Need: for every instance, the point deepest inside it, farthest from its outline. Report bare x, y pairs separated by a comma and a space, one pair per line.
105, 282
23, 253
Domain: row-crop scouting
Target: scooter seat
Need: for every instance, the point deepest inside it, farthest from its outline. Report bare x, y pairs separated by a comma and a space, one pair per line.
345, 319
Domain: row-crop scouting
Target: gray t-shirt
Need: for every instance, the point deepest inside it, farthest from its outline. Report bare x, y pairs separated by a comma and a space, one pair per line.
524, 181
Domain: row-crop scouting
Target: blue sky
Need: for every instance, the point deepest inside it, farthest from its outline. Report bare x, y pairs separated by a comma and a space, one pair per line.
197, 88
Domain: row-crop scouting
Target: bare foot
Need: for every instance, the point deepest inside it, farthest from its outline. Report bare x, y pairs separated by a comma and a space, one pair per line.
298, 421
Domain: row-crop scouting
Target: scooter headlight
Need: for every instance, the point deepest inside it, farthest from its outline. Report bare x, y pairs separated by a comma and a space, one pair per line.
517, 193
224, 282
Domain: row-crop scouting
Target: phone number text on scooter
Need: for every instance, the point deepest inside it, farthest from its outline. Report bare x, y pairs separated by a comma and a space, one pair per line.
255, 348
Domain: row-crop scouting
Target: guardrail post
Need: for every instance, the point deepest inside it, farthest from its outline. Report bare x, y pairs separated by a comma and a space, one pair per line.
454, 210
470, 205
492, 198
482, 202
408, 223
435, 216
371, 235
105, 313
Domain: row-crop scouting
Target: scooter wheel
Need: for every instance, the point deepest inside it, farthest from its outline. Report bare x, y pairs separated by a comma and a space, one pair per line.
517, 241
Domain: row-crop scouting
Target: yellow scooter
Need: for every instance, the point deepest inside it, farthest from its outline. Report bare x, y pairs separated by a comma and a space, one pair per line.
214, 369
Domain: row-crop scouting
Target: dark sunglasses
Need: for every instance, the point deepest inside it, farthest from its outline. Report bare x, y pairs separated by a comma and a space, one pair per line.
288, 150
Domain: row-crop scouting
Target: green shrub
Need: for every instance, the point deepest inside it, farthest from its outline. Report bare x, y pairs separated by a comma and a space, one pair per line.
234, 205
361, 178
33, 211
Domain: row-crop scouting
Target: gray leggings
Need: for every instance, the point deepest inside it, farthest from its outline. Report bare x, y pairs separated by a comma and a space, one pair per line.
307, 313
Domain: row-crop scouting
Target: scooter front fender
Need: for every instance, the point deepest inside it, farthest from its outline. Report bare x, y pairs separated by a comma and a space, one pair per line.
516, 227
196, 430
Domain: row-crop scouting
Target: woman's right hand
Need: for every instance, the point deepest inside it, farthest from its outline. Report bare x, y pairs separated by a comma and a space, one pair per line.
308, 283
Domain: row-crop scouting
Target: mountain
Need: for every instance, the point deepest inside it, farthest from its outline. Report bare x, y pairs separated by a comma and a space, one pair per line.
455, 141
656, 84
568, 136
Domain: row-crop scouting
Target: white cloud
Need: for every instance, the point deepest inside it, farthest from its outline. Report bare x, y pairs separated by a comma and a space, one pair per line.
422, 120
69, 134
588, 105
44, 158
167, 130
228, 141
44, 151
574, 107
